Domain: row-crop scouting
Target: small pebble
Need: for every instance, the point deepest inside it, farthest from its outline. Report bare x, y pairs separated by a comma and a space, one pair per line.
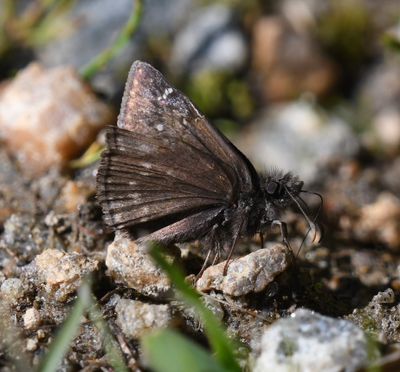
130, 265
59, 273
31, 344
251, 273
380, 221
137, 318
12, 290
381, 317
31, 318
385, 297
41, 334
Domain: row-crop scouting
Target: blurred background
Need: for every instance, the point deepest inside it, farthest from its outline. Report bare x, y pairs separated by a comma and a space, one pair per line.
295, 83
307, 86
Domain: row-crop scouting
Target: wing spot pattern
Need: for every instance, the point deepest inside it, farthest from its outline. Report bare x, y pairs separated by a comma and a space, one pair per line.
165, 95
147, 165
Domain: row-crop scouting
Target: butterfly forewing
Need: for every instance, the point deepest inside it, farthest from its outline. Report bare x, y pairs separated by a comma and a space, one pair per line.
152, 106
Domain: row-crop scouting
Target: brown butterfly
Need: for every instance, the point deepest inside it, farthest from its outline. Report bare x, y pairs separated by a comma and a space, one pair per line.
168, 171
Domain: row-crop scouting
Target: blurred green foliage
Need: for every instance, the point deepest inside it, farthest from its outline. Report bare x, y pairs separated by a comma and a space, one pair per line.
32, 24
168, 351
126, 34
219, 94
392, 38
27, 25
345, 30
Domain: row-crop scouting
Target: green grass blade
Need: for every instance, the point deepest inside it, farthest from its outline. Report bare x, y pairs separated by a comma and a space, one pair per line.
168, 351
91, 155
69, 330
123, 38
220, 343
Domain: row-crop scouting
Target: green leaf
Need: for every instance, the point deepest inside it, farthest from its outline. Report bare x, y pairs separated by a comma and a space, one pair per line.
168, 351
219, 341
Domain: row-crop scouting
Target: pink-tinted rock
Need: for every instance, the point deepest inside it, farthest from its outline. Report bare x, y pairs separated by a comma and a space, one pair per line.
380, 221
48, 116
288, 62
130, 264
58, 273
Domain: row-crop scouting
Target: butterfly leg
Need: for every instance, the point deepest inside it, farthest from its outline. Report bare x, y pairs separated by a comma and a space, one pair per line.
203, 267
261, 239
234, 241
284, 234
217, 255
211, 240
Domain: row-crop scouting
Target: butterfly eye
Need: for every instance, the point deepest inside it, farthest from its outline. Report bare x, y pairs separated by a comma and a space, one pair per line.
272, 187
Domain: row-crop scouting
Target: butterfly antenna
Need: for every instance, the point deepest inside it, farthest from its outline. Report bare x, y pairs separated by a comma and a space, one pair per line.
321, 203
303, 241
311, 224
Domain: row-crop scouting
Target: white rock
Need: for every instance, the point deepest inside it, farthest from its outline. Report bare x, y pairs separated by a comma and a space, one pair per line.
136, 318
31, 318
310, 342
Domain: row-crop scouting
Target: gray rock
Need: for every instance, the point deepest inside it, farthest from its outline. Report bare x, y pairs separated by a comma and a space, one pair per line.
209, 41
296, 137
23, 236
251, 273
96, 24
381, 87
310, 342
381, 317
385, 297
136, 318
12, 290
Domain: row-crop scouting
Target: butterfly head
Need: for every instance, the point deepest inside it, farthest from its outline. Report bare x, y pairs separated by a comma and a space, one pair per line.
282, 189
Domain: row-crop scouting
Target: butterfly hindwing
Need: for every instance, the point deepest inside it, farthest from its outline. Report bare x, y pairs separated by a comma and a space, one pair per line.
166, 163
